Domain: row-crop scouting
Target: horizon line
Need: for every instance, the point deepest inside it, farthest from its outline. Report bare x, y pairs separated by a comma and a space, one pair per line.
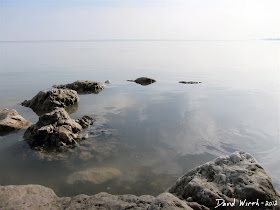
119, 40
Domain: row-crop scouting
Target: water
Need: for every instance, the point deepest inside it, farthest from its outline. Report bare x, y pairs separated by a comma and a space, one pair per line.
150, 134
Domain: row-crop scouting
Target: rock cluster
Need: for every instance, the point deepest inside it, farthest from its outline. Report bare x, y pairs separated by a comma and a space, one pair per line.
83, 86
46, 101
237, 176
143, 81
10, 121
56, 131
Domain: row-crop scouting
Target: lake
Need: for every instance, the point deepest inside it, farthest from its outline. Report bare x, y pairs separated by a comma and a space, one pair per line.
145, 137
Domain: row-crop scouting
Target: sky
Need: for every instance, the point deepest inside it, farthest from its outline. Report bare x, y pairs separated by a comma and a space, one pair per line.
139, 19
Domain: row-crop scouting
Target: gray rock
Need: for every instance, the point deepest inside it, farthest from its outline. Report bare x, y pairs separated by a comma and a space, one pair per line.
37, 197
46, 101
56, 131
237, 176
143, 81
11, 121
167, 201
108, 82
107, 201
29, 197
189, 82
83, 86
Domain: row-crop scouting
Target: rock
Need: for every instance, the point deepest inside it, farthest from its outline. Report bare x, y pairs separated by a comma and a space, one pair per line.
11, 121
46, 101
85, 121
143, 81
189, 82
108, 82
83, 86
56, 131
29, 197
237, 176
167, 201
94, 175
37, 197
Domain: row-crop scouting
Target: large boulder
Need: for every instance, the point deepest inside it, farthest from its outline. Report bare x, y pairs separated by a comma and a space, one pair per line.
228, 179
143, 81
56, 131
46, 101
83, 86
11, 121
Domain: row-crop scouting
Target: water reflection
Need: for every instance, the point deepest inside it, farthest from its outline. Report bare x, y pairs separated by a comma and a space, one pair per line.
150, 134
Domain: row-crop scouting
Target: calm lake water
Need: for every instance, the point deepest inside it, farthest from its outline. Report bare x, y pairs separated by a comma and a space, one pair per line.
150, 135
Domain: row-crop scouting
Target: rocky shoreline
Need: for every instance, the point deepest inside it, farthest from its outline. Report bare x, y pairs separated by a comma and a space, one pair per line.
235, 180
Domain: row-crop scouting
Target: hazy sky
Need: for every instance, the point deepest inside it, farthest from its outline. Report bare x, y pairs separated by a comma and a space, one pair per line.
139, 19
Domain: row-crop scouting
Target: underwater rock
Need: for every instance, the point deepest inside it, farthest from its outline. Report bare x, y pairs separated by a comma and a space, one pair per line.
46, 101
11, 121
94, 175
83, 86
56, 131
143, 81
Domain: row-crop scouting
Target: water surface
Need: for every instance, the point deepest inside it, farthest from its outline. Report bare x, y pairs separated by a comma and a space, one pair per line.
151, 134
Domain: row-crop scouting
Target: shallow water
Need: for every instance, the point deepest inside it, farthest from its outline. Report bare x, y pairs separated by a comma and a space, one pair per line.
150, 134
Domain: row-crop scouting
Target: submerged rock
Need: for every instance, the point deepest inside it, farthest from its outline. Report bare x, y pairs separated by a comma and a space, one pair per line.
143, 81
237, 176
56, 131
46, 101
94, 175
11, 121
83, 86
189, 82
